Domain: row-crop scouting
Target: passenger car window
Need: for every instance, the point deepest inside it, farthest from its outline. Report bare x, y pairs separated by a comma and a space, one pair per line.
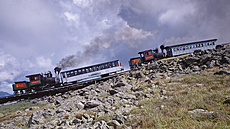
63, 75
79, 71
68, 74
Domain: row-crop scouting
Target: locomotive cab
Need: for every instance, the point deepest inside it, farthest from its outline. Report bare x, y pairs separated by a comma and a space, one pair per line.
44, 81
146, 56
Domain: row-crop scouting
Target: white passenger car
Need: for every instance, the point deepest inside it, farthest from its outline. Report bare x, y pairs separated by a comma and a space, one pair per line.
91, 72
185, 48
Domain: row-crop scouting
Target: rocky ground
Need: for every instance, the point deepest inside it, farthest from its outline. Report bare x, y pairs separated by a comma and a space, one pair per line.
110, 104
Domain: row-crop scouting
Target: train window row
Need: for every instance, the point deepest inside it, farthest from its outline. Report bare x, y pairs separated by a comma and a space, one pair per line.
91, 69
192, 46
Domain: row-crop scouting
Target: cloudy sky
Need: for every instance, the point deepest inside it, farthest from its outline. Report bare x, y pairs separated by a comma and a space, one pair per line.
37, 35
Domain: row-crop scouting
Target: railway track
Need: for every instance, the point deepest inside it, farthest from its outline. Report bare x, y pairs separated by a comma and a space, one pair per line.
54, 91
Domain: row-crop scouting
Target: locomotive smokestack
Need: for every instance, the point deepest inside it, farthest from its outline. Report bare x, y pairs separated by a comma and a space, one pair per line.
162, 48
57, 72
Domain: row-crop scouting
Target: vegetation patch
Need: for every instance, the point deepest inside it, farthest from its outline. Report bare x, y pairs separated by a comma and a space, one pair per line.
199, 100
9, 112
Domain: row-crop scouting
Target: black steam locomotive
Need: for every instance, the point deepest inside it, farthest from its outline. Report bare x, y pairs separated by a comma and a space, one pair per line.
37, 82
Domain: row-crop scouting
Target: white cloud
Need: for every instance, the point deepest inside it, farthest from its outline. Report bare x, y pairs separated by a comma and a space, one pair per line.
82, 3
44, 62
176, 15
72, 19
6, 87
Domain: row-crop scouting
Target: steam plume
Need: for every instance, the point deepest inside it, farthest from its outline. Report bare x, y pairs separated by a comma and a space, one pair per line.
100, 43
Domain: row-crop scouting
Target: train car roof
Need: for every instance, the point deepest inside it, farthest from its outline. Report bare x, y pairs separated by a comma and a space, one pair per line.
181, 44
33, 75
134, 58
70, 69
144, 51
20, 81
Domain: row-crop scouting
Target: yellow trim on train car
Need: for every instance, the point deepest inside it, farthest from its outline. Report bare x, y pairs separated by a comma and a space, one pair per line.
93, 74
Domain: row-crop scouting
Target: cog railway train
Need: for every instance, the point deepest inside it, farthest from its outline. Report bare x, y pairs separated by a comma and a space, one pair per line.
171, 51
39, 82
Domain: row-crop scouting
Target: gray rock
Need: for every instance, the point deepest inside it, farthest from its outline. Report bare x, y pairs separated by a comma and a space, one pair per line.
200, 111
18, 113
113, 123
119, 84
226, 60
60, 110
101, 125
76, 121
138, 75
57, 102
137, 88
36, 118
31, 108
93, 92
113, 91
205, 58
211, 64
199, 85
191, 60
163, 92
203, 67
92, 104
140, 94
80, 106
124, 110
196, 68
125, 95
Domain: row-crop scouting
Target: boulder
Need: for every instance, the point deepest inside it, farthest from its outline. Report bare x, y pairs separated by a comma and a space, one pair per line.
115, 124
191, 60
31, 108
205, 58
200, 112
92, 104
113, 91
226, 60
118, 85
80, 106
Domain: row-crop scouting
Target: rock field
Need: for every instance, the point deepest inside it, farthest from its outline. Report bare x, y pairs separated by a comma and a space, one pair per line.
91, 106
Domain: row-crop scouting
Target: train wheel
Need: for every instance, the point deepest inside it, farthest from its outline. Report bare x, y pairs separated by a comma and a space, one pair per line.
75, 82
15, 92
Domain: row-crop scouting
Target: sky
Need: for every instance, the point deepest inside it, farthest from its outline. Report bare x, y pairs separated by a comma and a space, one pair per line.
38, 35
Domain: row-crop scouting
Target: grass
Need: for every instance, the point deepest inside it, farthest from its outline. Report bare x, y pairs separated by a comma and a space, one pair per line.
187, 96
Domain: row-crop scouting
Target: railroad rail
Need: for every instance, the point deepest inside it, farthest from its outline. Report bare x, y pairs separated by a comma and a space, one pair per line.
54, 91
